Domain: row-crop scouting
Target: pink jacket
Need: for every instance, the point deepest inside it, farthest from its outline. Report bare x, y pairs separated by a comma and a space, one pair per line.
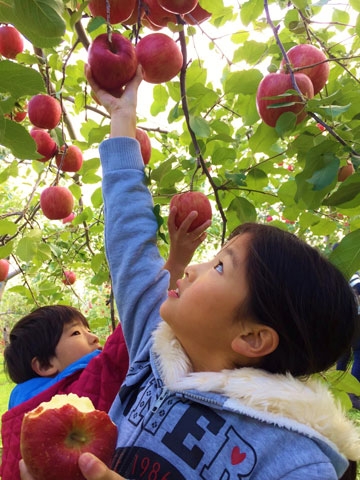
100, 380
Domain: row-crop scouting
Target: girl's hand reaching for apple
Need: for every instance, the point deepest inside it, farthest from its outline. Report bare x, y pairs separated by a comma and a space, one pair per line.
91, 467
123, 109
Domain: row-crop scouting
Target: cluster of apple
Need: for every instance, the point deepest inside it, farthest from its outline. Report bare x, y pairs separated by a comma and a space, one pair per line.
154, 14
311, 72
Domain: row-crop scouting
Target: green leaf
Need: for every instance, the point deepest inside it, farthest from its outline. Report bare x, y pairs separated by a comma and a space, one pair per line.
18, 80
245, 81
243, 209
96, 198
325, 176
200, 127
7, 227
97, 262
40, 21
16, 138
251, 10
348, 193
346, 256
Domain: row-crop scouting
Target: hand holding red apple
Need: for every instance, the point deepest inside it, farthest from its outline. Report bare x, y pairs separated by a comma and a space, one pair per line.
56, 433
188, 202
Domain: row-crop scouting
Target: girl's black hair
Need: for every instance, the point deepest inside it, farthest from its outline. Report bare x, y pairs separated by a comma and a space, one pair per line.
295, 290
37, 335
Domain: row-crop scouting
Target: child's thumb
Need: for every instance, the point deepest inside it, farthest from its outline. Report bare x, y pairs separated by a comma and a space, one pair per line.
93, 469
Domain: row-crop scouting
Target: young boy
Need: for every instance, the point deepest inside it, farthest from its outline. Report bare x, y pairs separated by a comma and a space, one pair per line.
53, 351
217, 385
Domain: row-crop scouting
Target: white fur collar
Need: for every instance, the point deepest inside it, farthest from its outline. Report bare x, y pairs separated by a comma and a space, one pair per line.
304, 406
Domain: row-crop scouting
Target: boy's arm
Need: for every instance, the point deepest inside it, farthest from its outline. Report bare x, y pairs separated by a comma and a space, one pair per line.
182, 244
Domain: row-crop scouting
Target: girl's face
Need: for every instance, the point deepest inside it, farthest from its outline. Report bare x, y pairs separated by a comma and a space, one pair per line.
202, 311
75, 342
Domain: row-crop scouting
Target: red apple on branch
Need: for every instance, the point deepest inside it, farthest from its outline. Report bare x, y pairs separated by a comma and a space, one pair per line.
45, 144
69, 158
56, 202
70, 277
157, 15
11, 41
188, 202
301, 57
113, 64
44, 111
160, 57
271, 93
120, 10
4, 269
56, 433
179, 7
145, 144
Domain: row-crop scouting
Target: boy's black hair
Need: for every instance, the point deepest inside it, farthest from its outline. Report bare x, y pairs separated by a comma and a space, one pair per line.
37, 335
295, 290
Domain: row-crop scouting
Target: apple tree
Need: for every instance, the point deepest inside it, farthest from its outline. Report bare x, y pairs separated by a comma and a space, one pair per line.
204, 125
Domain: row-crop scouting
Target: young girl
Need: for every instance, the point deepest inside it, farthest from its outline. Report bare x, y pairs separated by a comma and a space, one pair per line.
218, 381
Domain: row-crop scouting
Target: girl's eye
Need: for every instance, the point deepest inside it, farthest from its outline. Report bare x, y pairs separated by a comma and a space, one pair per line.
76, 332
219, 267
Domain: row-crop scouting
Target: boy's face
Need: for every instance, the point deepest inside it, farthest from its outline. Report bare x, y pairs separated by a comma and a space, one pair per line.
75, 342
202, 311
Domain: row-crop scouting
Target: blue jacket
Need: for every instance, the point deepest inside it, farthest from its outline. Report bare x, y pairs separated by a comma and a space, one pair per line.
177, 424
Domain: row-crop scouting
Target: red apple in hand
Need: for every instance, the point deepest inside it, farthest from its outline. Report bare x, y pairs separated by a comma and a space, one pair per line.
275, 84
303, 55
56, 202
160, 57
70, 277
145, 144
120, 10
113, 64
45, 145
11, 41
69, 159
56, 433
188, 202
178, 6
44, 111
4, 269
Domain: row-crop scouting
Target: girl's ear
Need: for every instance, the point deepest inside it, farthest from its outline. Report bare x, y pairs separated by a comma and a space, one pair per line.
257, 341
43, 371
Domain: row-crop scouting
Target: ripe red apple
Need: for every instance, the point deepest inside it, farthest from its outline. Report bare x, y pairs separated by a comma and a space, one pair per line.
120, 10
70, 277
188, 202
45, 145
56, 433
160, 57
44, 111
113, 64
69, 159
11, 41
145, 144
275, 84
196, 16
157, 15
4, 269
179, 7
303, 55
345, 172
56, 202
